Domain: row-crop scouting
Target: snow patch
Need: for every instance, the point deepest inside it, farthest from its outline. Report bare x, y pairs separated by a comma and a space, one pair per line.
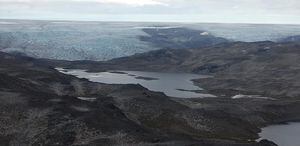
239, 96
90, 99
156, 27
5, 22
204, 33
81, 109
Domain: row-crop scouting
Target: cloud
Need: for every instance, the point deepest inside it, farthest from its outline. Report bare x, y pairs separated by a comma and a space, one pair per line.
255, 11
118, 2
128, 2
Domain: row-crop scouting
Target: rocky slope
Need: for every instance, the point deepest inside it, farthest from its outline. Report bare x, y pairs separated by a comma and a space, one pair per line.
180, 38
40, 106
295, 39
263, 68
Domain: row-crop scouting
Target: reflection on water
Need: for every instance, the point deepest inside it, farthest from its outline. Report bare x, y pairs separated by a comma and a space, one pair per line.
172, 84
282, 135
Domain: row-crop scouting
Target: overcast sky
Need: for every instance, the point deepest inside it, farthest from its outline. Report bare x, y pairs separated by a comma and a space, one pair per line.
226, 11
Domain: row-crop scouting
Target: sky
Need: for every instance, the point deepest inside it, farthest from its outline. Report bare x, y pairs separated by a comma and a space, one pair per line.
215, 11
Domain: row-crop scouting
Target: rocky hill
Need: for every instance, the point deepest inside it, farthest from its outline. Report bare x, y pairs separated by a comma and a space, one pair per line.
295, 39
264, 68
180, 38
41, 106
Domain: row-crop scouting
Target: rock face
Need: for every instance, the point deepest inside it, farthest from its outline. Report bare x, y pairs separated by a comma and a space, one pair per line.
40, 106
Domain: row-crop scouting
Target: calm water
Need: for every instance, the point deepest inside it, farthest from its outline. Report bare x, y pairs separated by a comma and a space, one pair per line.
282, 135
172, 84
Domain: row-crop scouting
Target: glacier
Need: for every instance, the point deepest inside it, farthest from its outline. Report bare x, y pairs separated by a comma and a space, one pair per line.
75, 40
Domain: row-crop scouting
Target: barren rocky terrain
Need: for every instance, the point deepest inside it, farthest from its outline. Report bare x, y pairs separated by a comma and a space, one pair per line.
263, 68
41, 106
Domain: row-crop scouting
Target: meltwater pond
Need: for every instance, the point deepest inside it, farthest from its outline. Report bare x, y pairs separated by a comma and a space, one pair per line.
172, 84
282, 135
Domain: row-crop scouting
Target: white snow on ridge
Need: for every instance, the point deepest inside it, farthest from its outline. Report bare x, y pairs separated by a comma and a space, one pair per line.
204, 33
6, 23
156, 27
87, 99
240, 96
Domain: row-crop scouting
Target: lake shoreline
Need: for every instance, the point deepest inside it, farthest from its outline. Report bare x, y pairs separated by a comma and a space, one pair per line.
282, 134
195, 83
179, 85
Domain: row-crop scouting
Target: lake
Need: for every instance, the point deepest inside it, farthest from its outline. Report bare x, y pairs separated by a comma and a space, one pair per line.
172, 84
282, 135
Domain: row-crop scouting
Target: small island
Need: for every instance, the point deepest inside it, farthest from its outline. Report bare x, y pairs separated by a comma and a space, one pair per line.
146, 78
118, 72
195, 91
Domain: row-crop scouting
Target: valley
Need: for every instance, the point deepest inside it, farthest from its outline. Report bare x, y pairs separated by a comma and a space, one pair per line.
36, 95
238, 67
163, 85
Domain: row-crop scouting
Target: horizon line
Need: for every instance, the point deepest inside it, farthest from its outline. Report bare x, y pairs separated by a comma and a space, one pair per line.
133, 21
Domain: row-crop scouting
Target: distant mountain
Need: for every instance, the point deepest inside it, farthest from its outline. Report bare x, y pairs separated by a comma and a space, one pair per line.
295, 38
180, 38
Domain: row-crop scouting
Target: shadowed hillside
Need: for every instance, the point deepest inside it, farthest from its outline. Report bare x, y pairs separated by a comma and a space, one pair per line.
41, 106
264, 68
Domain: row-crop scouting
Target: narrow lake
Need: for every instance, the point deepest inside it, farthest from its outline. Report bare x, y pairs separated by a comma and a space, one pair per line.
282, 135
172, 84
